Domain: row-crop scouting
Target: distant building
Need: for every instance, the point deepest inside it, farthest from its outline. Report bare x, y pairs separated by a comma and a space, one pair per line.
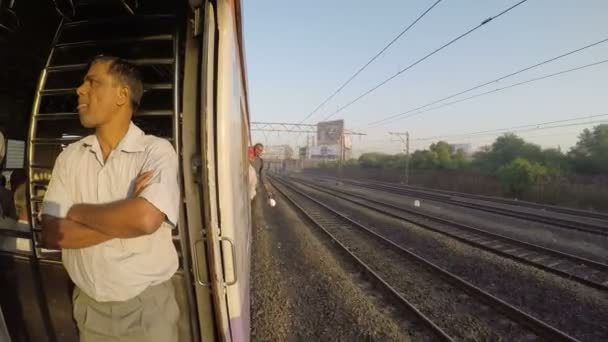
278, 152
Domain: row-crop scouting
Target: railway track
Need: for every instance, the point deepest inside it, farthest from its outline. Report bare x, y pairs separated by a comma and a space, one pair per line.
379, 284
588, 272
525, 204
587, 227
354, 237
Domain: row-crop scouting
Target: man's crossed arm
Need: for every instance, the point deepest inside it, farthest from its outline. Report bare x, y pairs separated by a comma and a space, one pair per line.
87, 225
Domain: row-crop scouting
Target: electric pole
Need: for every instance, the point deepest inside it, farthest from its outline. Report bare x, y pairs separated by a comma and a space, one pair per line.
342, 152
405, 139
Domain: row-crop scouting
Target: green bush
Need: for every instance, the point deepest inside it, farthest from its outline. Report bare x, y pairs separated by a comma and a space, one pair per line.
520, 176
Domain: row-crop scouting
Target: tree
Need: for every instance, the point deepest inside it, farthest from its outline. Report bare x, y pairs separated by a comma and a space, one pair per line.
442, 152
327, 164
372, 160
520, 175
555, 161
396, 161
376, 160
504, 150
424, 160
459, 159
482, 160
590, 155
351, 162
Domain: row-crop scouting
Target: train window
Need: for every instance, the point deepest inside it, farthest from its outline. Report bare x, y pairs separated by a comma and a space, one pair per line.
15, 154
151, 73
157, 97
15, 236
16, 245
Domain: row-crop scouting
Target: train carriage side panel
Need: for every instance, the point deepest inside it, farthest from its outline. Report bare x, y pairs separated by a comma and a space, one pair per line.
232, 141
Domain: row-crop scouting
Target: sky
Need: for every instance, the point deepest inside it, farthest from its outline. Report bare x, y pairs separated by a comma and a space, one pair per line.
299, 52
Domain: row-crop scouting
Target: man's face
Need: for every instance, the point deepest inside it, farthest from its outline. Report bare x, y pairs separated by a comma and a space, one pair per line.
259, 150
99, 97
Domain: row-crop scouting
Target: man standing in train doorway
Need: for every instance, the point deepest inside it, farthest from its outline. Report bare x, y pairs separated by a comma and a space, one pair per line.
111, 205
258, 165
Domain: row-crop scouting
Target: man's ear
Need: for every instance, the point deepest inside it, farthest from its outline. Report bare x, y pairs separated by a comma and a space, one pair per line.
123, 95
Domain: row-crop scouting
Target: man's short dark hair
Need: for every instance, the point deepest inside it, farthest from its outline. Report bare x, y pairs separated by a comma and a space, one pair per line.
125, 73
258, 144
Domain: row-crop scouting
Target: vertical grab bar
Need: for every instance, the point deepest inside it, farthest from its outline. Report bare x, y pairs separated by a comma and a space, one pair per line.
233, 250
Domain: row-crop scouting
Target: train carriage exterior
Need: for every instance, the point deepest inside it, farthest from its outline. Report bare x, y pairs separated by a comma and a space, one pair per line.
192, 59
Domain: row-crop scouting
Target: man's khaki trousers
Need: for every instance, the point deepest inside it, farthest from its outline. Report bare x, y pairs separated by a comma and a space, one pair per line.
151, 316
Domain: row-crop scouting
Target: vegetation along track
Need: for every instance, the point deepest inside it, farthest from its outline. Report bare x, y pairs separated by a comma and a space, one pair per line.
432, 195
588, 272
461, 309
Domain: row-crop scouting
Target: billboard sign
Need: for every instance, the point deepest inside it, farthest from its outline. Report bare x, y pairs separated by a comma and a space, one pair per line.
325, 152
329, 132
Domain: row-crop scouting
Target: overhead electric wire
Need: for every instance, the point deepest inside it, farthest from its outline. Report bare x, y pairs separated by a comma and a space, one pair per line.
510, 129
492, 81
422, 59
560, 126
536, 136
370, 61
498, 90
485, 137
374, 147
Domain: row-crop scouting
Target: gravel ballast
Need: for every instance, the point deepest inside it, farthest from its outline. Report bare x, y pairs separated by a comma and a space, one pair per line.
300, 292
567, 305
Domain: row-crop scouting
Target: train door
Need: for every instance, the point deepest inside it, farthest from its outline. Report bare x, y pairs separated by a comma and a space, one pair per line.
200, 186
232, 169
223, 243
